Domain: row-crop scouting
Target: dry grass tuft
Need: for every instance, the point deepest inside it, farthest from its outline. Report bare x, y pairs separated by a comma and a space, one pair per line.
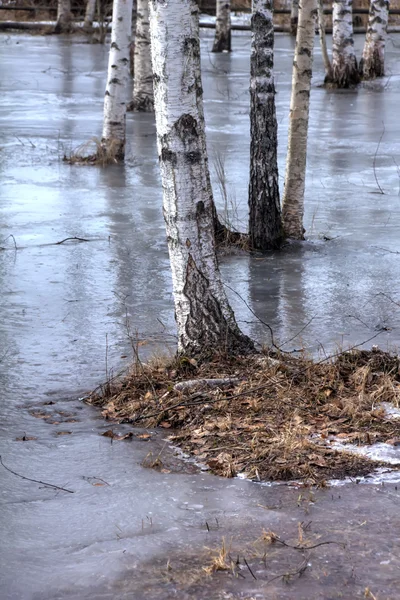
276, 420
95, 153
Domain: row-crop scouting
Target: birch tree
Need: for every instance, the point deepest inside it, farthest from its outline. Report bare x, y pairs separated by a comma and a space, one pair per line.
64, 17
294, 16
222, 40
265, 224
322, 41
372, 63
143, 98
344, 62
114, 123
89, 14
204, 317
293, 195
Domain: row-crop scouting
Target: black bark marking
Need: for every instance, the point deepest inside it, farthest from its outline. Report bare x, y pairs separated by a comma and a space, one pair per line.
206, 328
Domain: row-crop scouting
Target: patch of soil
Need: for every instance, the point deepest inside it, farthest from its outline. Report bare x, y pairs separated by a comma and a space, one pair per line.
270, 416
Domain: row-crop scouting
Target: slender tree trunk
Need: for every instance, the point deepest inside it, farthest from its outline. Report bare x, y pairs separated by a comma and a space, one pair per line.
89, 15
372, 63
294, 17
322, 41
344, 62
205, 321
64, 17
143, 98
265, 223
222, 40
113, 141
133, 37
293, 195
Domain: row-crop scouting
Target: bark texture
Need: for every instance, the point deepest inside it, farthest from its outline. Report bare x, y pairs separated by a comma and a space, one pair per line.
64, 17
322, 41
294, 17
293, 195
222, 40
372, 63
205, 321
133, 37
89, 15
114, 124
265, 221
143, 97
344, 62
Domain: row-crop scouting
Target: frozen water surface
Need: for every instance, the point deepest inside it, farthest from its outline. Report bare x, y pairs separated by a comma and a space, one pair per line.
63, 308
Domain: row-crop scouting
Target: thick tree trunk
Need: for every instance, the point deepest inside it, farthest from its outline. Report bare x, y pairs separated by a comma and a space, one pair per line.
222, 40
294, 17
293, 195
113, 140
205, 321
322, 41
372, 63
344, 62
89, 15
265, 222
143, 98
64, 17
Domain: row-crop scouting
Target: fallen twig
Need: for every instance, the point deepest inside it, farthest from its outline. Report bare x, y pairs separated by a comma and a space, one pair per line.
278, 540
286, 576
248, 566
195, 384
57, 487
5, 239
78, 239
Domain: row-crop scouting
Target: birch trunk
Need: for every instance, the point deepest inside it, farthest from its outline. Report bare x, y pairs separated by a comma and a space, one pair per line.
143, 98
265, 223
372, 63
222, 40
113, 140
133, 37
293, 195
64, 17
205, 321
294, 17
89, 15
322, 41
344, 62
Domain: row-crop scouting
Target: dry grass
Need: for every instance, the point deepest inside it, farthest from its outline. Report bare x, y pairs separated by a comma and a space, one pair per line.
278, 422
94, 152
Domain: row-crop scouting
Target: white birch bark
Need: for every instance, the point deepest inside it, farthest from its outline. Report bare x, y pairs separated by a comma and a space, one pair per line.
293, 195
204, 318
322, 41
113, 140
143, 97
89, 15
265, 223
222, 40
372, 63
294, 17
64, 17
344, 62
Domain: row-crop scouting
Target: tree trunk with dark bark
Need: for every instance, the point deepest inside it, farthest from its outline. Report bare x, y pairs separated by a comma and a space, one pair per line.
206, 324
222, 40
294, 17
64, 17
265, 221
